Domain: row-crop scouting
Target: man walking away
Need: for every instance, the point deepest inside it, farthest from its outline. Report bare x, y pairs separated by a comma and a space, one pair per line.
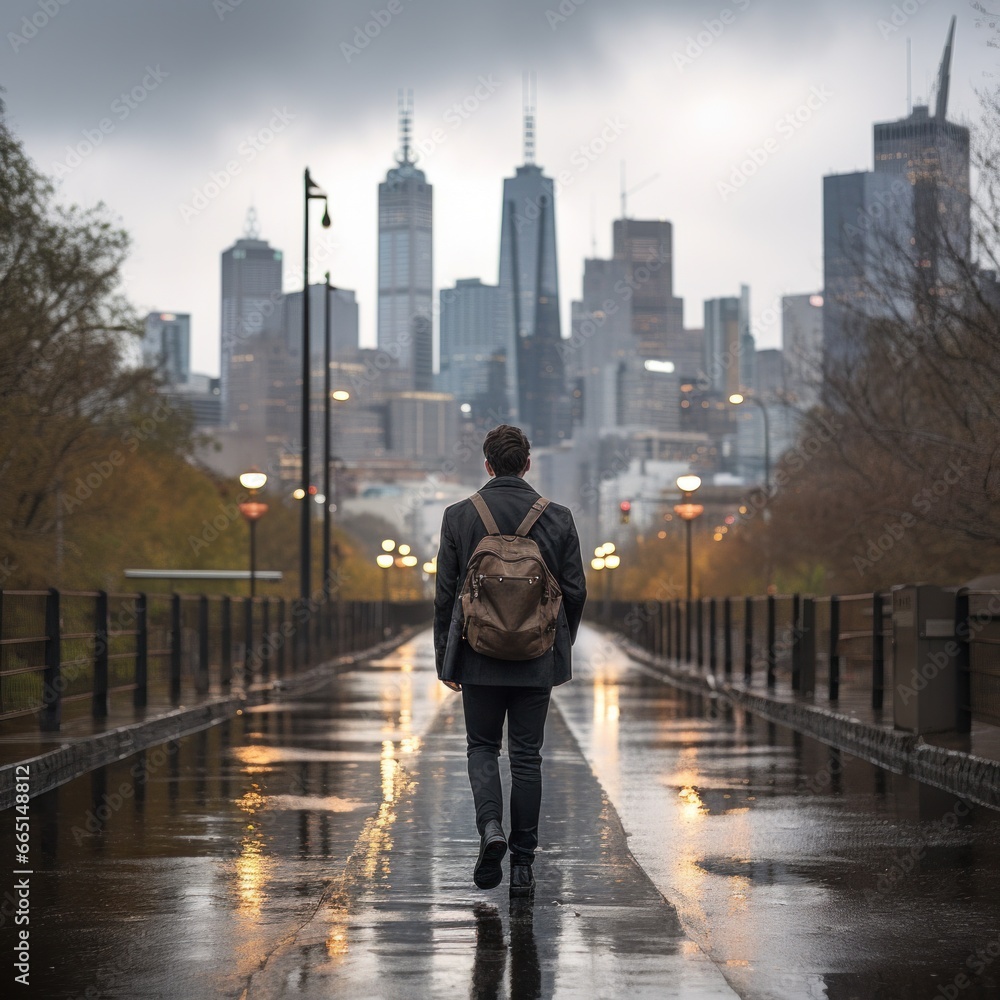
494, 688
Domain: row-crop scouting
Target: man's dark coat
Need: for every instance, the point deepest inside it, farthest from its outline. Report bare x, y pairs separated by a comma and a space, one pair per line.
509, 498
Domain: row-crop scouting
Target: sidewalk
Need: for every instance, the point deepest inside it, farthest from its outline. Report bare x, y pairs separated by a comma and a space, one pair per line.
404, 919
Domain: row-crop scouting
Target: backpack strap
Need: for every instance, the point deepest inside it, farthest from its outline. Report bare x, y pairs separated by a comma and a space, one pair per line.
533, 515
484, 513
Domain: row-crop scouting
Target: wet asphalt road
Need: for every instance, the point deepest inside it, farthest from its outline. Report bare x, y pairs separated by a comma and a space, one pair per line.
322, 847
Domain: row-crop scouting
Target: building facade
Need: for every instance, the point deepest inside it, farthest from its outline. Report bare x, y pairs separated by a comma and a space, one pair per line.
406, 264
166, 346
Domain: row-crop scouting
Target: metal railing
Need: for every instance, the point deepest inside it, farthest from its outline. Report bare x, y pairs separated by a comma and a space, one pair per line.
799, 643
58, 648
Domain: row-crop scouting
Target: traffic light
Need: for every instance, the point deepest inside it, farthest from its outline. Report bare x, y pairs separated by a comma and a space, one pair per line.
626, 508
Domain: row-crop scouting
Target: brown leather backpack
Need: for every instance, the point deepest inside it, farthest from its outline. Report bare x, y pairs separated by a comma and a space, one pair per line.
510, 599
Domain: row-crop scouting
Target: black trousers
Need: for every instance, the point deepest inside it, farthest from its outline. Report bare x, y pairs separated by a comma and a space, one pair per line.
525, 708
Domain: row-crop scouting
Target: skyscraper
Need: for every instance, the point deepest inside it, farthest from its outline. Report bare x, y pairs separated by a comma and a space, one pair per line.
645, 246
802, 344
166, 345
529, 297
251, 299
729, 345
405, 261
469, 338
895, 236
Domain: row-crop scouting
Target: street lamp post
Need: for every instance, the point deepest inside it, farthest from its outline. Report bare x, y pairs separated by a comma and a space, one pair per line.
386, 560
688, 511
339, 395
736, 399
253, 510
605, 560
312, 191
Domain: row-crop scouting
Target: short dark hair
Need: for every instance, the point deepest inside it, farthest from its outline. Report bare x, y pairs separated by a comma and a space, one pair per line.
506, 449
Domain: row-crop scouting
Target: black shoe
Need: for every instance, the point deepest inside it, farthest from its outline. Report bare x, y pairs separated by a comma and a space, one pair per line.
522, 882
488, 874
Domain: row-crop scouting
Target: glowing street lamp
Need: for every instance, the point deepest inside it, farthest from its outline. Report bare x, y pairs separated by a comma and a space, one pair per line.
688, 511
253, 510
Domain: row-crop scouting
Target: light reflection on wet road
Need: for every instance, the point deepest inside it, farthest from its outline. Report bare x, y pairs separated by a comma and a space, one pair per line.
322, 847
801, 870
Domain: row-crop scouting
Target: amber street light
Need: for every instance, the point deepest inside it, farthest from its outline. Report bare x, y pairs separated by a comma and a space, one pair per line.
253, 510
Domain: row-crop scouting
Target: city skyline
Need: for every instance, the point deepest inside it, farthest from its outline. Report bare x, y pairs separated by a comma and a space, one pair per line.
596, 108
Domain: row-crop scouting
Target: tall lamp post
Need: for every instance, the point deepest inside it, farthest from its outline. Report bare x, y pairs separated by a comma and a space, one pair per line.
253, 510
736, 399
312, 191
339, 395
688, 511
386, 560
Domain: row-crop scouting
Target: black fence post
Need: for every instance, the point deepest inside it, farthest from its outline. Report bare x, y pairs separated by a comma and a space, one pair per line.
711, 634
688, 611
727, 642
878, 653
833, 679
140, 695
771, 650
678, 645
700, 627
963, 630
201, 677
282, 632
796, 642
748, 640
99, 695
226, 655
248, 656
176, 651
265, 639
51, 715
804, 647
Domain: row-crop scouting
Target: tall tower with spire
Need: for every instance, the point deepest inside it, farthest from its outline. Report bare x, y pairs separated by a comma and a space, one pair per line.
893, 237
251, 302
405, 260
529, 295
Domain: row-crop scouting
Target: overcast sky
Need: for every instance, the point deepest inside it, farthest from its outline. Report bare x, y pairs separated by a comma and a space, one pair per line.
248, 91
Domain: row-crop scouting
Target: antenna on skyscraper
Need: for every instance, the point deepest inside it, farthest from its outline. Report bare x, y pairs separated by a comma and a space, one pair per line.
250, 229
944, 75
909, 82
405, 104
626, 191
528, 96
